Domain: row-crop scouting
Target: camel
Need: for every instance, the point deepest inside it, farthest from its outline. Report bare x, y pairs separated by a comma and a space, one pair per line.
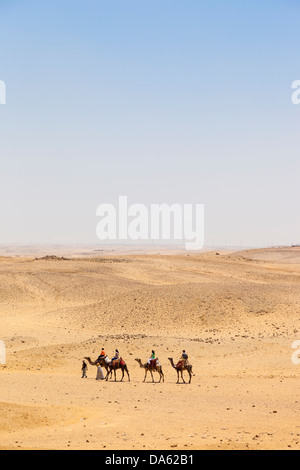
101, 362
106, 363
117, 365
180, 368
98, 362
156, 368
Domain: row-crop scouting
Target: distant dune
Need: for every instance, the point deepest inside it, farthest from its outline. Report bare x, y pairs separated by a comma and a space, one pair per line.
77, 251
285, 255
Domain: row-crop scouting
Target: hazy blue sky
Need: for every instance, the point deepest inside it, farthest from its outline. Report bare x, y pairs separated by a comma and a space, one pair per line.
185, 101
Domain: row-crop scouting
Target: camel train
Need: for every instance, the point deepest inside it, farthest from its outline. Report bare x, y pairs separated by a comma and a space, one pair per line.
152, 365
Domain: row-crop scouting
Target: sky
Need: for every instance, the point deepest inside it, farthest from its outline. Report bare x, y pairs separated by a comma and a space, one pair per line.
164, 101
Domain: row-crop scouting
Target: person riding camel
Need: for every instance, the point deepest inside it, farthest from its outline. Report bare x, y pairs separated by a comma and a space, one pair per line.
183, 359
102, 355
152, 359
116, 356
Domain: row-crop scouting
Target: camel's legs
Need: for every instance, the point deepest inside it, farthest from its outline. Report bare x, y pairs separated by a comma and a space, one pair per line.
161, 375
145, 374
152, 375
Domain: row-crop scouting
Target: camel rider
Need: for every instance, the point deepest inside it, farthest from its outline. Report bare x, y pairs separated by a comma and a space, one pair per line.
152, 359
102, 355
184, 358
116, 356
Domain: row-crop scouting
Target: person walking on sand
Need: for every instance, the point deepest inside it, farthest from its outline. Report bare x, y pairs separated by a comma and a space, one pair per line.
100, 375
84, 369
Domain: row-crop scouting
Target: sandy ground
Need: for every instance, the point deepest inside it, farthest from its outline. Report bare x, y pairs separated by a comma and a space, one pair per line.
236, 314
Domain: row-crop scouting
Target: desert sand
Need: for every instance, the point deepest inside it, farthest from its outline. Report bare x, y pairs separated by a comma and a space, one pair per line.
235, 313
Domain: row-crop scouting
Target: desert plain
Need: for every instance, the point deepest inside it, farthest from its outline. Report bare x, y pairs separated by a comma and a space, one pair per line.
236, 313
